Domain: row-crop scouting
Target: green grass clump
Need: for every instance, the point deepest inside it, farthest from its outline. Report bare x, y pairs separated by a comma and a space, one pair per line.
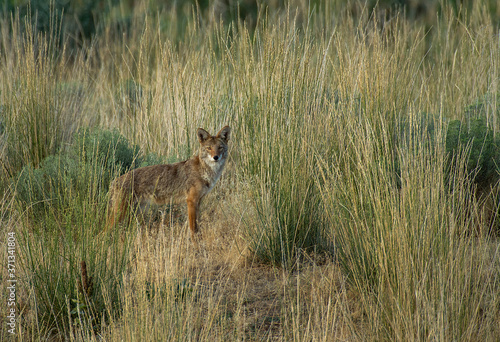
36, 112
65, 298
40, 112
278, 107
64, 201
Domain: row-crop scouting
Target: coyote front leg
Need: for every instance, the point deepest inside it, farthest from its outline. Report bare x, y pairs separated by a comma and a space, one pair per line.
193, 202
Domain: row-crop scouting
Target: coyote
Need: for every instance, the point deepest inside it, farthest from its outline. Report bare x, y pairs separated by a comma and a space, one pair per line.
188, 180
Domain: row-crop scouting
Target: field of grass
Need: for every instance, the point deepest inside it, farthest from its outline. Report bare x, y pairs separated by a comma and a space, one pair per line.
360, 200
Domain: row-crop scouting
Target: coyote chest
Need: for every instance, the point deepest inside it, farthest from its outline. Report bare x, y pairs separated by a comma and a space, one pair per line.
212, 175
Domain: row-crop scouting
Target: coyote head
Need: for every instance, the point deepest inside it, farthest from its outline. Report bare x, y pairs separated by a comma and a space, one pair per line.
213, 149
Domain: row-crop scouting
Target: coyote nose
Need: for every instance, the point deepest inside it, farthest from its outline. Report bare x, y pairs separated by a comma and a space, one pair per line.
216, 158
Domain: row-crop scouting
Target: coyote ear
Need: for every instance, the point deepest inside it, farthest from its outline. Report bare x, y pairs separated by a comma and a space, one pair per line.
202, 135
224, 133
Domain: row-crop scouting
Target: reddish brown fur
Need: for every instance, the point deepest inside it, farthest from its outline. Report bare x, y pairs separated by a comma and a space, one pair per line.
191, 180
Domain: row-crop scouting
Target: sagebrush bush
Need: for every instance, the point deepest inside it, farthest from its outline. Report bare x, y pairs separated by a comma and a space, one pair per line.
475, 135
107, 147
85, 169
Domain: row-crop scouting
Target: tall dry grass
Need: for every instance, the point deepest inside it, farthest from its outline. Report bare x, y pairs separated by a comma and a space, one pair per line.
341, 214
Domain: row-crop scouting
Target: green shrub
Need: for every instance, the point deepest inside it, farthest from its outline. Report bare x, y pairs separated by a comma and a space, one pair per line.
107, 147
65, 199
474, 139
37, 188
473, 135
84, 171
153, 159
484, 149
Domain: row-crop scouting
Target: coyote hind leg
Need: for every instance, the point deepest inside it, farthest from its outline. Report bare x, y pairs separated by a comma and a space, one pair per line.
117, 210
